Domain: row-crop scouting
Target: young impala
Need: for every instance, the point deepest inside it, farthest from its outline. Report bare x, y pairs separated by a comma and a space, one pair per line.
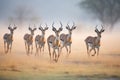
8, 39
94, 42
54, 42
66, 39
28, 38
40, 39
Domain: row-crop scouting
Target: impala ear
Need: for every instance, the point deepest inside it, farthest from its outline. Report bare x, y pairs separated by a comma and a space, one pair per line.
40, 28
9, 28
30, 28
46, 28
15, 28
60, 29
74, 27
67, 27
103, 30
96, 30
34, 29
54, 29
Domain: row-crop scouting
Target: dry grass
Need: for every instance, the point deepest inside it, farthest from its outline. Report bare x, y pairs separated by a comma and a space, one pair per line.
78, 66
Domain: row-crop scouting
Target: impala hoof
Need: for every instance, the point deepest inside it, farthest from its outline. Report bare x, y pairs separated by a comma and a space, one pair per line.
93, 55
6, 52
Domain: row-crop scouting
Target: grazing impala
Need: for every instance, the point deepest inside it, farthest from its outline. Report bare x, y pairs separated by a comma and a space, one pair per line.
28, 38
54, 42
8, 39
66, 39
40, 39
94, 42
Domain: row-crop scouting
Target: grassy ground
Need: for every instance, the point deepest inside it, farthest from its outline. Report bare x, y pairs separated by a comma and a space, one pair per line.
22, 67
78, 66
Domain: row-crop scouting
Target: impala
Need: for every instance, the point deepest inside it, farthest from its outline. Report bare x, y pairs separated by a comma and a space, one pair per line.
66, 39
94, 42
54, 42
8, 39
28, 38
40, 39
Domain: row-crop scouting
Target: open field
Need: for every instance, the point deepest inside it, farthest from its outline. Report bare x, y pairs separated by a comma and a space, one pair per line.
23, 67
78, 66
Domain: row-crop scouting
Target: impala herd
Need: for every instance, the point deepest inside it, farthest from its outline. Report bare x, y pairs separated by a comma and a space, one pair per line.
56, 42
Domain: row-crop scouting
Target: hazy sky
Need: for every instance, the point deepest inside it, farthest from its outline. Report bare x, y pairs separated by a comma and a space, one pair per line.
48, 10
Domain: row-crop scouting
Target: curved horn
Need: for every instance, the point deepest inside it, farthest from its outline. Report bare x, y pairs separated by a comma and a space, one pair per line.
96, 30
46, 26
14, 25
53, 28
73, 24
60, 29
61, 24
102, 26
40, 27
29, 27
96, 27
34, 25
102, 30
53, 24
9, 25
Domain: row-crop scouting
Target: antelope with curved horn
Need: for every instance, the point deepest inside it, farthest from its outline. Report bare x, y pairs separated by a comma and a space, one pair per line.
54, 42
66, 39
28, 38
40, 39
8, 39
94, 42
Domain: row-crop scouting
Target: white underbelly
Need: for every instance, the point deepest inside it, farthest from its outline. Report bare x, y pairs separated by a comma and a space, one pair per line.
55, 47
62, 43
91, 45
50, 44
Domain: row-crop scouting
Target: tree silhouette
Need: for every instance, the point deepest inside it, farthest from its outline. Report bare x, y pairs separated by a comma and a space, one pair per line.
22, 15
107, 11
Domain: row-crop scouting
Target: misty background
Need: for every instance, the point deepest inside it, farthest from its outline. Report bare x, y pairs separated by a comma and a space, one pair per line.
83, 12
21, 12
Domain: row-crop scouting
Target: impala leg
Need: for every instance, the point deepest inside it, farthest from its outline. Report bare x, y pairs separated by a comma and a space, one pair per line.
66, 49
31, 48
61, 48
43, 47
40, 48
87, 49
90, 51
28, 49
56, 57
10, 47
36, 49
58, 54
69, 49
53, 54
97, 51
49, 51
5, 46
94, 51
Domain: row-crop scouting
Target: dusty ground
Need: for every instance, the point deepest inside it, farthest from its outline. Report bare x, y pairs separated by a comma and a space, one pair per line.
22, 67
78, 66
